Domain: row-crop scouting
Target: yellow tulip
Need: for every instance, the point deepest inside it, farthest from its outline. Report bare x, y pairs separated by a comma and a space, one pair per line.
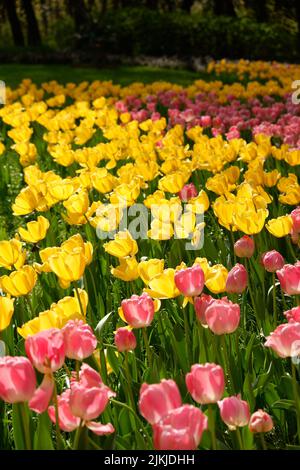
215, 278
148, 269
163, 286
26, 201
281, 226
68, 266
6, 311
11, 254
173, 182
123, 245
78, 203
36, 230
102, 180
57, 316
160, 230
127, 270
19, 282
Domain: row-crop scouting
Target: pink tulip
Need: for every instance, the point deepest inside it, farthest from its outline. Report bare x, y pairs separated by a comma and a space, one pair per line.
201, 304
42, 396
88, 377
88, 402
293, 315
125, 340
237, 279
46, 350
205, 383
289, 278
222, 316
188, 192
181, 429
272, 260
157, 400
80, 341
244, 247
99, 428
285, 340
138, 310
260, 421
68, 422
17, 379
295, 214
190, 281
234, 412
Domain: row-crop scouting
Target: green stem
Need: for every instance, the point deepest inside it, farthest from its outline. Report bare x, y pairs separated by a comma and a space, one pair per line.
252, 295
274, 299
187, 335
57, 429
227, 366
296, 397
263, 441
26, 430
211, 426
129, 380
77, 370
147, 346
239, 438
77, 436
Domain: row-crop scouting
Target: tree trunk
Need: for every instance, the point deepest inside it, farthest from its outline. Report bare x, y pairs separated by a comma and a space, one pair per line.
224, 7
14, 22
33, 32
187, 5
79, 13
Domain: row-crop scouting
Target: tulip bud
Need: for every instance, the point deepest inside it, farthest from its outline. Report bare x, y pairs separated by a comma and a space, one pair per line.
190, 281
201, 304
80, 341
17, 379
205, 383
138, 310
293, 315
234, 412
88, 402
222, 316
237, 279
125, 339
188, 192
244, 247
46, 350
289, 278
157, 400
272, 261
260, 421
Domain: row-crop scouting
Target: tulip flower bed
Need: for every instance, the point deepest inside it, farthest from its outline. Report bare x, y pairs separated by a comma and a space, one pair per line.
149, 272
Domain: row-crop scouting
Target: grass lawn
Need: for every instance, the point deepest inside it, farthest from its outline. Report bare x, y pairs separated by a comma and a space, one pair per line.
12, 74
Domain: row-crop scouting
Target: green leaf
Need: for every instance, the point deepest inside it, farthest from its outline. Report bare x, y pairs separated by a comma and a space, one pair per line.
42, 437
100, 327
284, 404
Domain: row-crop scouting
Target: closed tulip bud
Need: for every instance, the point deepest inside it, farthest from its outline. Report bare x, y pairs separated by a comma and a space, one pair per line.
244, 247
289, 278
237, 279
80, 341
190, 281
272, 261
157, 400
138, 310
17, 379
188, 192
260, 421
46, 350
206, 383
234, 412
293, 315
201, 304
181, 429
285, 340
125, 340
222, 316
